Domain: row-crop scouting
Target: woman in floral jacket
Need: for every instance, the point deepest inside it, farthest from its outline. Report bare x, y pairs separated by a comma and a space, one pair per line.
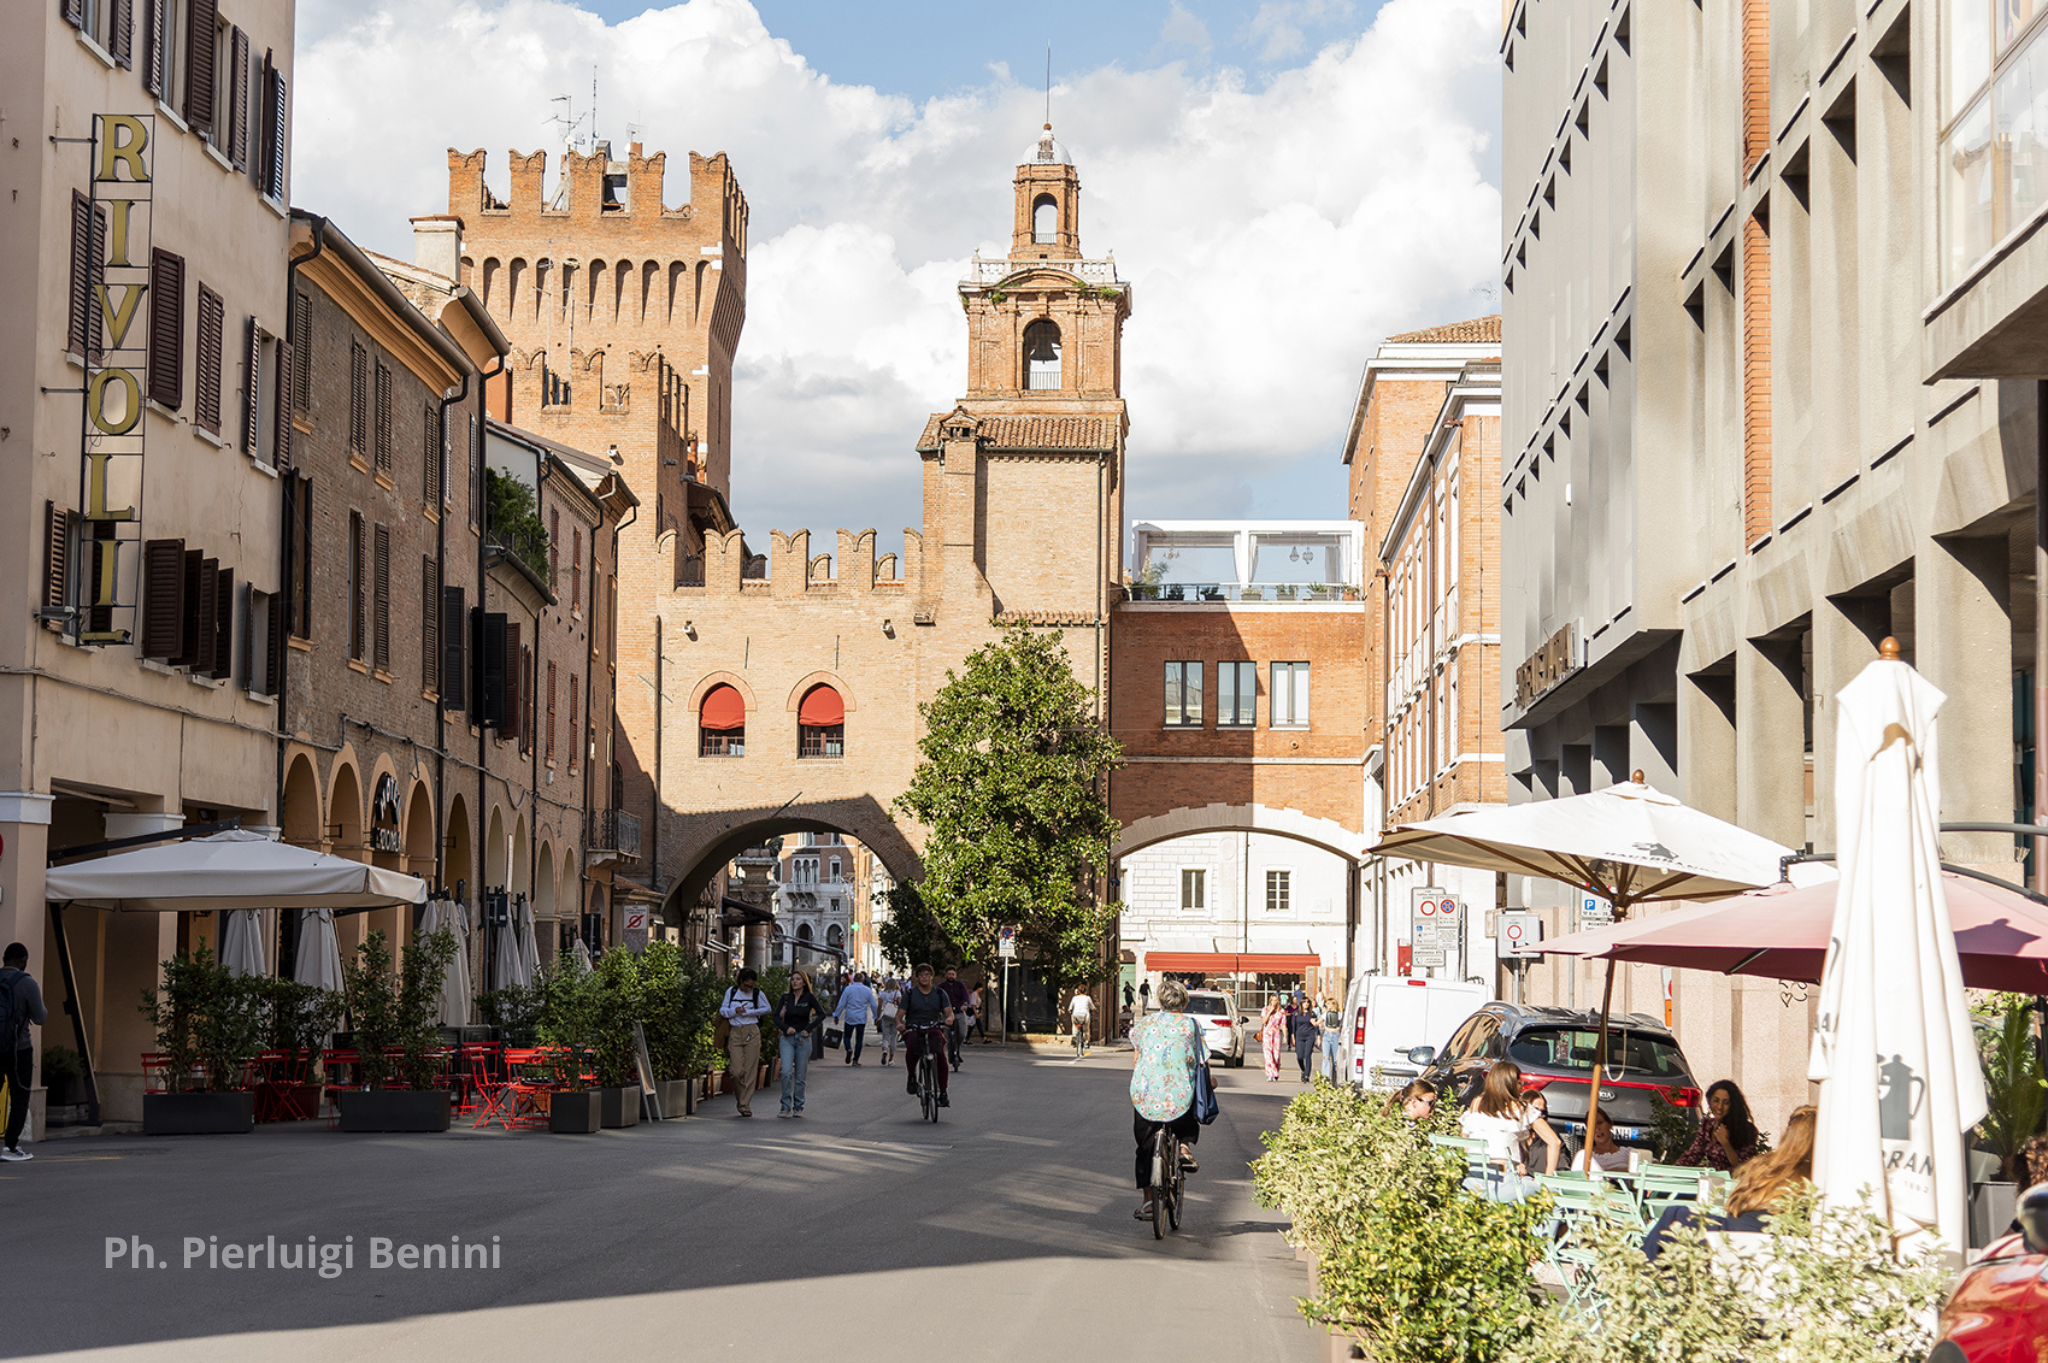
1166, 1046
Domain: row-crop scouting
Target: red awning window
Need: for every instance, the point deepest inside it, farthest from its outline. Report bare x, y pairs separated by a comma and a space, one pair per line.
1231, 963
723, 709
821, 708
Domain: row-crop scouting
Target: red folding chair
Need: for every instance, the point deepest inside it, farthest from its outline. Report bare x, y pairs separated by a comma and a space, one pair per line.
339, 1070
498, 1092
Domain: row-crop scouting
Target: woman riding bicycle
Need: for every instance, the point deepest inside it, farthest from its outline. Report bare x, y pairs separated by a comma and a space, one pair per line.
1166, 1046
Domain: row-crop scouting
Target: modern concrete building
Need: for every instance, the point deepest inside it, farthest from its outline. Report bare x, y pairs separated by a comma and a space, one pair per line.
1771, 290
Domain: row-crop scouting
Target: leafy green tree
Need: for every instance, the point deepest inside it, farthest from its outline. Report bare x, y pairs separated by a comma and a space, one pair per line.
912, 933
2014, 1086
208, 1020
1013, 784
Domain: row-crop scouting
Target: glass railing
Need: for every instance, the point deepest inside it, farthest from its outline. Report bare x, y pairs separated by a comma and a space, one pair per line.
1200, 593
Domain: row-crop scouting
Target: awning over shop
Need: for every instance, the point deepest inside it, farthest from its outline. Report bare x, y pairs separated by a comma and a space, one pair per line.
724, 709
822, 708
1232, 962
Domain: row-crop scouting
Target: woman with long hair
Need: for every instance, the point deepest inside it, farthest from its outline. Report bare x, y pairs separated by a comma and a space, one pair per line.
1760, 1186
1415, 1101
1273, 1037
1503, 1117
1728, 1136
796, 1017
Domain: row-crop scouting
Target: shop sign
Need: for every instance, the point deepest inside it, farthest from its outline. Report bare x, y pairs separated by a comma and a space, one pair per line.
384, 836
1557, 659
119, 198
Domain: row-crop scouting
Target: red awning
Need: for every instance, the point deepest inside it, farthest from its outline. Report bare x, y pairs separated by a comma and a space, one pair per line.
1231, 963
723, 709
821, 708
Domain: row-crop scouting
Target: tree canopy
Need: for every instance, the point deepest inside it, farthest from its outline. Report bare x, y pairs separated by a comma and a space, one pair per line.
1012, 781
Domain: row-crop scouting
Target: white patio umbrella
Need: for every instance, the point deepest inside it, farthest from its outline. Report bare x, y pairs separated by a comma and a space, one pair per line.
505, 955
529, 948
318, 962
1629, 844
237, 869
1893, 1052
241, 943
455, 999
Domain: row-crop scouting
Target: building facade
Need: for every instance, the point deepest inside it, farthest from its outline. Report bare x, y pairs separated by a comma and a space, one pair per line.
1769, 398
143, 448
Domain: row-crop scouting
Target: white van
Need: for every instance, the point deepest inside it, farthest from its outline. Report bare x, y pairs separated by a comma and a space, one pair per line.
1386, 1016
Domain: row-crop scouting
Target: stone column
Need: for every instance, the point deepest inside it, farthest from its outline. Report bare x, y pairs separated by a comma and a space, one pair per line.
1963, 644
1770, 756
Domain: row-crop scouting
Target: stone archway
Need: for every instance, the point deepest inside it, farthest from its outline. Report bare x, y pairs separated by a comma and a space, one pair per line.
1327, 834
300, 820
714, 840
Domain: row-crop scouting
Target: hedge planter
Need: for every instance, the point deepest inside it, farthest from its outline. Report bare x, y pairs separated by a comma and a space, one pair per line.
577, 1112
620, 1106
674, 1096
198, 1114
393, 1109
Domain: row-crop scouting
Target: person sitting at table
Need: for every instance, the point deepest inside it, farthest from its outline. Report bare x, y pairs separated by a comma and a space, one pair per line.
1501, 1116
1416, 1101
1605, 1153
1727, 1138
1759, 1187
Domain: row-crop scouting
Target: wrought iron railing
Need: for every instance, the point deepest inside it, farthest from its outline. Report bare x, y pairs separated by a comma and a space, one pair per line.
614, 830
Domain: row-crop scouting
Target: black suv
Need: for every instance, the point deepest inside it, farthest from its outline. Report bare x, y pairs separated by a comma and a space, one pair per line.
1555, 1046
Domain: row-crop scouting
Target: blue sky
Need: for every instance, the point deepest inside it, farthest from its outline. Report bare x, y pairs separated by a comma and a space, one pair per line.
1282, 182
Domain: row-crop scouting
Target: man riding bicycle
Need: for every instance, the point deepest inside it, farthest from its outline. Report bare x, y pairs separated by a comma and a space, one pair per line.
1079, 1008
927, 1019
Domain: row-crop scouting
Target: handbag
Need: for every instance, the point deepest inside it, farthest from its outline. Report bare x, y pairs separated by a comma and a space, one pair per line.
833, 1034
889, 1010
1205, 1104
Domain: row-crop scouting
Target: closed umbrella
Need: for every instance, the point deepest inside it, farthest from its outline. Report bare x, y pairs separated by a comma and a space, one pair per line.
529, 949
1893, 1052
1629, 844
241, 943
455, 1001
319, 959
505, 954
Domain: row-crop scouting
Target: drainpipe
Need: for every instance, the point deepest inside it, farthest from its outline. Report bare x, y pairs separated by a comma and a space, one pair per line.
441, 706
540, 484
284, 548
1389, 955
483, 738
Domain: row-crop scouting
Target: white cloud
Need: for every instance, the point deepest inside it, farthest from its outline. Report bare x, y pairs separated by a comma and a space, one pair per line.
1277, 27
1272, 235
1181, 29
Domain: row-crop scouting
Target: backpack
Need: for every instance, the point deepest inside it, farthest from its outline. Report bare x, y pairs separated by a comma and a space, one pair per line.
12, 1021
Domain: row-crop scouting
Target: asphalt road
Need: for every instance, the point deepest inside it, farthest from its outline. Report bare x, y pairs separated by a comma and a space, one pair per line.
1003, 1232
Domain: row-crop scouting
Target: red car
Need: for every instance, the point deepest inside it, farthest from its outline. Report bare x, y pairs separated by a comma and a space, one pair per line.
1999, 1312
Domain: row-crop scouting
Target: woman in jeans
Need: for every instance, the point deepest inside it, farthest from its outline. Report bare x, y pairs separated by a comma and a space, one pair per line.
888, 1013
1165, 1047
797, 1016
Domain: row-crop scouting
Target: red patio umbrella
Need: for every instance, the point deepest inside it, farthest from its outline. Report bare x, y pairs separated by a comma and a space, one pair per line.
1782, 932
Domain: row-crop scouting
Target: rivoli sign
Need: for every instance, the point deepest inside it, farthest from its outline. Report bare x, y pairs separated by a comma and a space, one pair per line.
116, 366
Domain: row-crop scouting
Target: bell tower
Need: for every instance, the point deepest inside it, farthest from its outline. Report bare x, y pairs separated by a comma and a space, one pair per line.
1048, 205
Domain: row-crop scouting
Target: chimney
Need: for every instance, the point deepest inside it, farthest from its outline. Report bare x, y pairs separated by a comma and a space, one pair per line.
437, 244
633, 149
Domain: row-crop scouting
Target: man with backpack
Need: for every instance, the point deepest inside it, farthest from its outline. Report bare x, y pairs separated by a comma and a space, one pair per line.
21, 1003
743, 1008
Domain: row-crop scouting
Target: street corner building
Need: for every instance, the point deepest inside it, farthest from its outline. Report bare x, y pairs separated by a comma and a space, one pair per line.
144, 436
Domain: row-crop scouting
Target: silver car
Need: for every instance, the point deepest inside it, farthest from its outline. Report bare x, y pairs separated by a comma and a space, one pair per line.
1216, 1013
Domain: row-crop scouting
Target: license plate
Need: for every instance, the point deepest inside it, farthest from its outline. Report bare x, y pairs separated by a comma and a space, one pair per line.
1629, 1133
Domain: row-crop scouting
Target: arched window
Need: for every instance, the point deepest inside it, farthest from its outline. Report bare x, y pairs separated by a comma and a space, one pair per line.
821, 724
803, 932
835, 936
1045, 221
1042, 355
722, 724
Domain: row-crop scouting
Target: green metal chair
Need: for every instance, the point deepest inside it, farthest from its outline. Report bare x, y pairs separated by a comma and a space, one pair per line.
1583, 1202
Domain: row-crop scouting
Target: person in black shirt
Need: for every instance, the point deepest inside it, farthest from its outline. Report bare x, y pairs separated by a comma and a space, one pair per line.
795, 1018
925, 1006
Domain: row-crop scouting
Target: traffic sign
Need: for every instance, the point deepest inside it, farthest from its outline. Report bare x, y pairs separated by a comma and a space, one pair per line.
1594, 909
1006, 944
1519, 934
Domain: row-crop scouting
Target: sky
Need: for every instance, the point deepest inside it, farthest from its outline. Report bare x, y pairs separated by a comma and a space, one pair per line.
1283, 183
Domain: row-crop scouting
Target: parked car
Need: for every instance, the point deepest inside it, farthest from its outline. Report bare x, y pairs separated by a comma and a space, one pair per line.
1388, 1016
1999, 1310
1216, 1011
1554, 1046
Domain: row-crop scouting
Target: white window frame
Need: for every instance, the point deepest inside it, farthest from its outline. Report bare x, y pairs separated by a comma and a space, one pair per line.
1182, 692
1201, 888
1288, 699
1232, 711
1286, 886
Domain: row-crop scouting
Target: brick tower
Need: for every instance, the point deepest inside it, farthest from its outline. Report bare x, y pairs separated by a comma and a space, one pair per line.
624, 315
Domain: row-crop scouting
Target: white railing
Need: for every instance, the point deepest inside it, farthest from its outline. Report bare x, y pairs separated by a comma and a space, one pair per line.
981, 271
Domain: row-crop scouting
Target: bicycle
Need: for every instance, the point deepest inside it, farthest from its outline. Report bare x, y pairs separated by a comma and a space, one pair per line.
1169, 1183
1080, 1039
927, 1071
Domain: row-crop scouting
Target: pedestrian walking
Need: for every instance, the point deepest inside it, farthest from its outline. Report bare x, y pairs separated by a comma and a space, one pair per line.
1302, 1026
743, 1008
956, 995
1273, 1037
1130, 995
21, 1005
796, 1017
856, 1007
1144, 995
1333, 1035
888, 1014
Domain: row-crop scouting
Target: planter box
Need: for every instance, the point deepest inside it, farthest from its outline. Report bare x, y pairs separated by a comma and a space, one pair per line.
198, 1114
674, 1096
577, 1113
393, 1109
1992, 1206
619, 1107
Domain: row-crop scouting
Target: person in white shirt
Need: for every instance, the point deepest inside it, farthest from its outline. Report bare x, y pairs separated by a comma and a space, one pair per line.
1606, 1155
1078, 1009
743, 1007
1501, 1116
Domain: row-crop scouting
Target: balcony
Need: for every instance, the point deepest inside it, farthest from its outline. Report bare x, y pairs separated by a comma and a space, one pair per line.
614, 834
983, 272
1235, 593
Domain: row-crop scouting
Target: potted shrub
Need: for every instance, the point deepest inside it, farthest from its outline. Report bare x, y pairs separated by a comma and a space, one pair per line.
574, 1108
208, 1024
678, 1001
301, 1018
614, 1008
397, 1011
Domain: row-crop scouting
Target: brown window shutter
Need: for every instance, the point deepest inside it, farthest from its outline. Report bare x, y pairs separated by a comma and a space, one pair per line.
551, 711
430, 622
223, 625
453, 670
121, 33
206, 351
206, 619
356, 606
202, 19
358, 400
187, 638
575, 734
153, 48
304, 579
514, 675
238, 100
300, 369
166, 329
528, 677
576, 570
79, 322
432, 454
382, 661
74, 12
281, 409
382, 434
274, 129
252, 388
274, 636
56, 556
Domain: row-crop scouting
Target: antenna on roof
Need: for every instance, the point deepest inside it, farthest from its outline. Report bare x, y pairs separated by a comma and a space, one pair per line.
1048, 85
